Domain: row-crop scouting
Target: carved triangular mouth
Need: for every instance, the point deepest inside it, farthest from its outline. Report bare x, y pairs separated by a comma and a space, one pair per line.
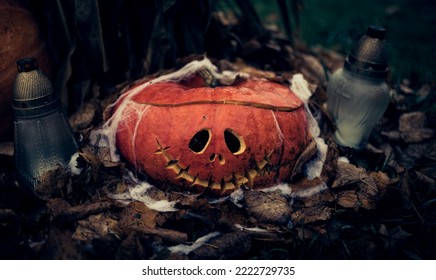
222, 186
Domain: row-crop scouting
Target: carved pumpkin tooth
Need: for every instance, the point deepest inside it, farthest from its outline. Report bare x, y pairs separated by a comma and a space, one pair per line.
214, 186
161, 151
234, 180
262, 165
203, 183
197, 181
257, 167
267, 156
194, 181
248, 175
180, 174
159, 146
172, 164
185, 175
210, 182
227, 186
253, 173
222, 183
239, 179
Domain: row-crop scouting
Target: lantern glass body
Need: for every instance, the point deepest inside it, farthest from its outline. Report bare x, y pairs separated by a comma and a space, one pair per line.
42, 136
42, 143
356, 104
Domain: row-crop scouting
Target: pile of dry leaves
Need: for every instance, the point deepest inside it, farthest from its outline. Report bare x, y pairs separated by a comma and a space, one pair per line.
380, 203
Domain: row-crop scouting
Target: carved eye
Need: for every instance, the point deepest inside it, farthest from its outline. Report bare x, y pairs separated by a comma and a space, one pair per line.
234, 142
200, 141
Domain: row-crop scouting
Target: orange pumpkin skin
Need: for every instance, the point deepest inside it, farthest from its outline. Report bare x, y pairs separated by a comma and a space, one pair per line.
19, 37
262, 122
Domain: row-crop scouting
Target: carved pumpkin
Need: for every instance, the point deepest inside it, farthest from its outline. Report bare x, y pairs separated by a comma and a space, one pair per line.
249, 133
19, 37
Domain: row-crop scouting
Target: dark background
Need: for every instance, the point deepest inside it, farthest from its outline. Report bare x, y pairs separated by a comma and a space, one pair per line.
337, 24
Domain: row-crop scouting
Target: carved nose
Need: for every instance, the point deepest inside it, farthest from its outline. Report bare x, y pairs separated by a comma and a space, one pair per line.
220, 157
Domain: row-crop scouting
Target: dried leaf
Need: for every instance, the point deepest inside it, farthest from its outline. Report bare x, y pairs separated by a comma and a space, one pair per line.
54, 183
348, 199
245, 68
230, 216
406, 89
423, 93
95, 226
307, 154
368, 186
307, 233
348, 174
366, 200
312, 69
60, 245
412, 127
138, 215
330, 58
269, 207
426, 179
183, 199
81, 211
7, 148
57, 206
311, 214
416, 152
365, 192
399, 234
382, 180
83, 117
173, 236
429, 172
392, 135
228, 246
131, 248
329, 169
318, 199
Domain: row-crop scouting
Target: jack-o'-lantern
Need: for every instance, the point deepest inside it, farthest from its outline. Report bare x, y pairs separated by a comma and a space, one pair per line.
19, 37
212, 138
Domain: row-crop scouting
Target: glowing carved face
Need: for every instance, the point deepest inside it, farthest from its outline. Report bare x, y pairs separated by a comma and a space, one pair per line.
218, 139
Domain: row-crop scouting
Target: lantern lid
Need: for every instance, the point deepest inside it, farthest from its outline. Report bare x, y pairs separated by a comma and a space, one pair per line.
33, 92
369, 55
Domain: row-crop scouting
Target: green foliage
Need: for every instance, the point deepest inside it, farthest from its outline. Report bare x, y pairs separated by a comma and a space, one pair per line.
337, 24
